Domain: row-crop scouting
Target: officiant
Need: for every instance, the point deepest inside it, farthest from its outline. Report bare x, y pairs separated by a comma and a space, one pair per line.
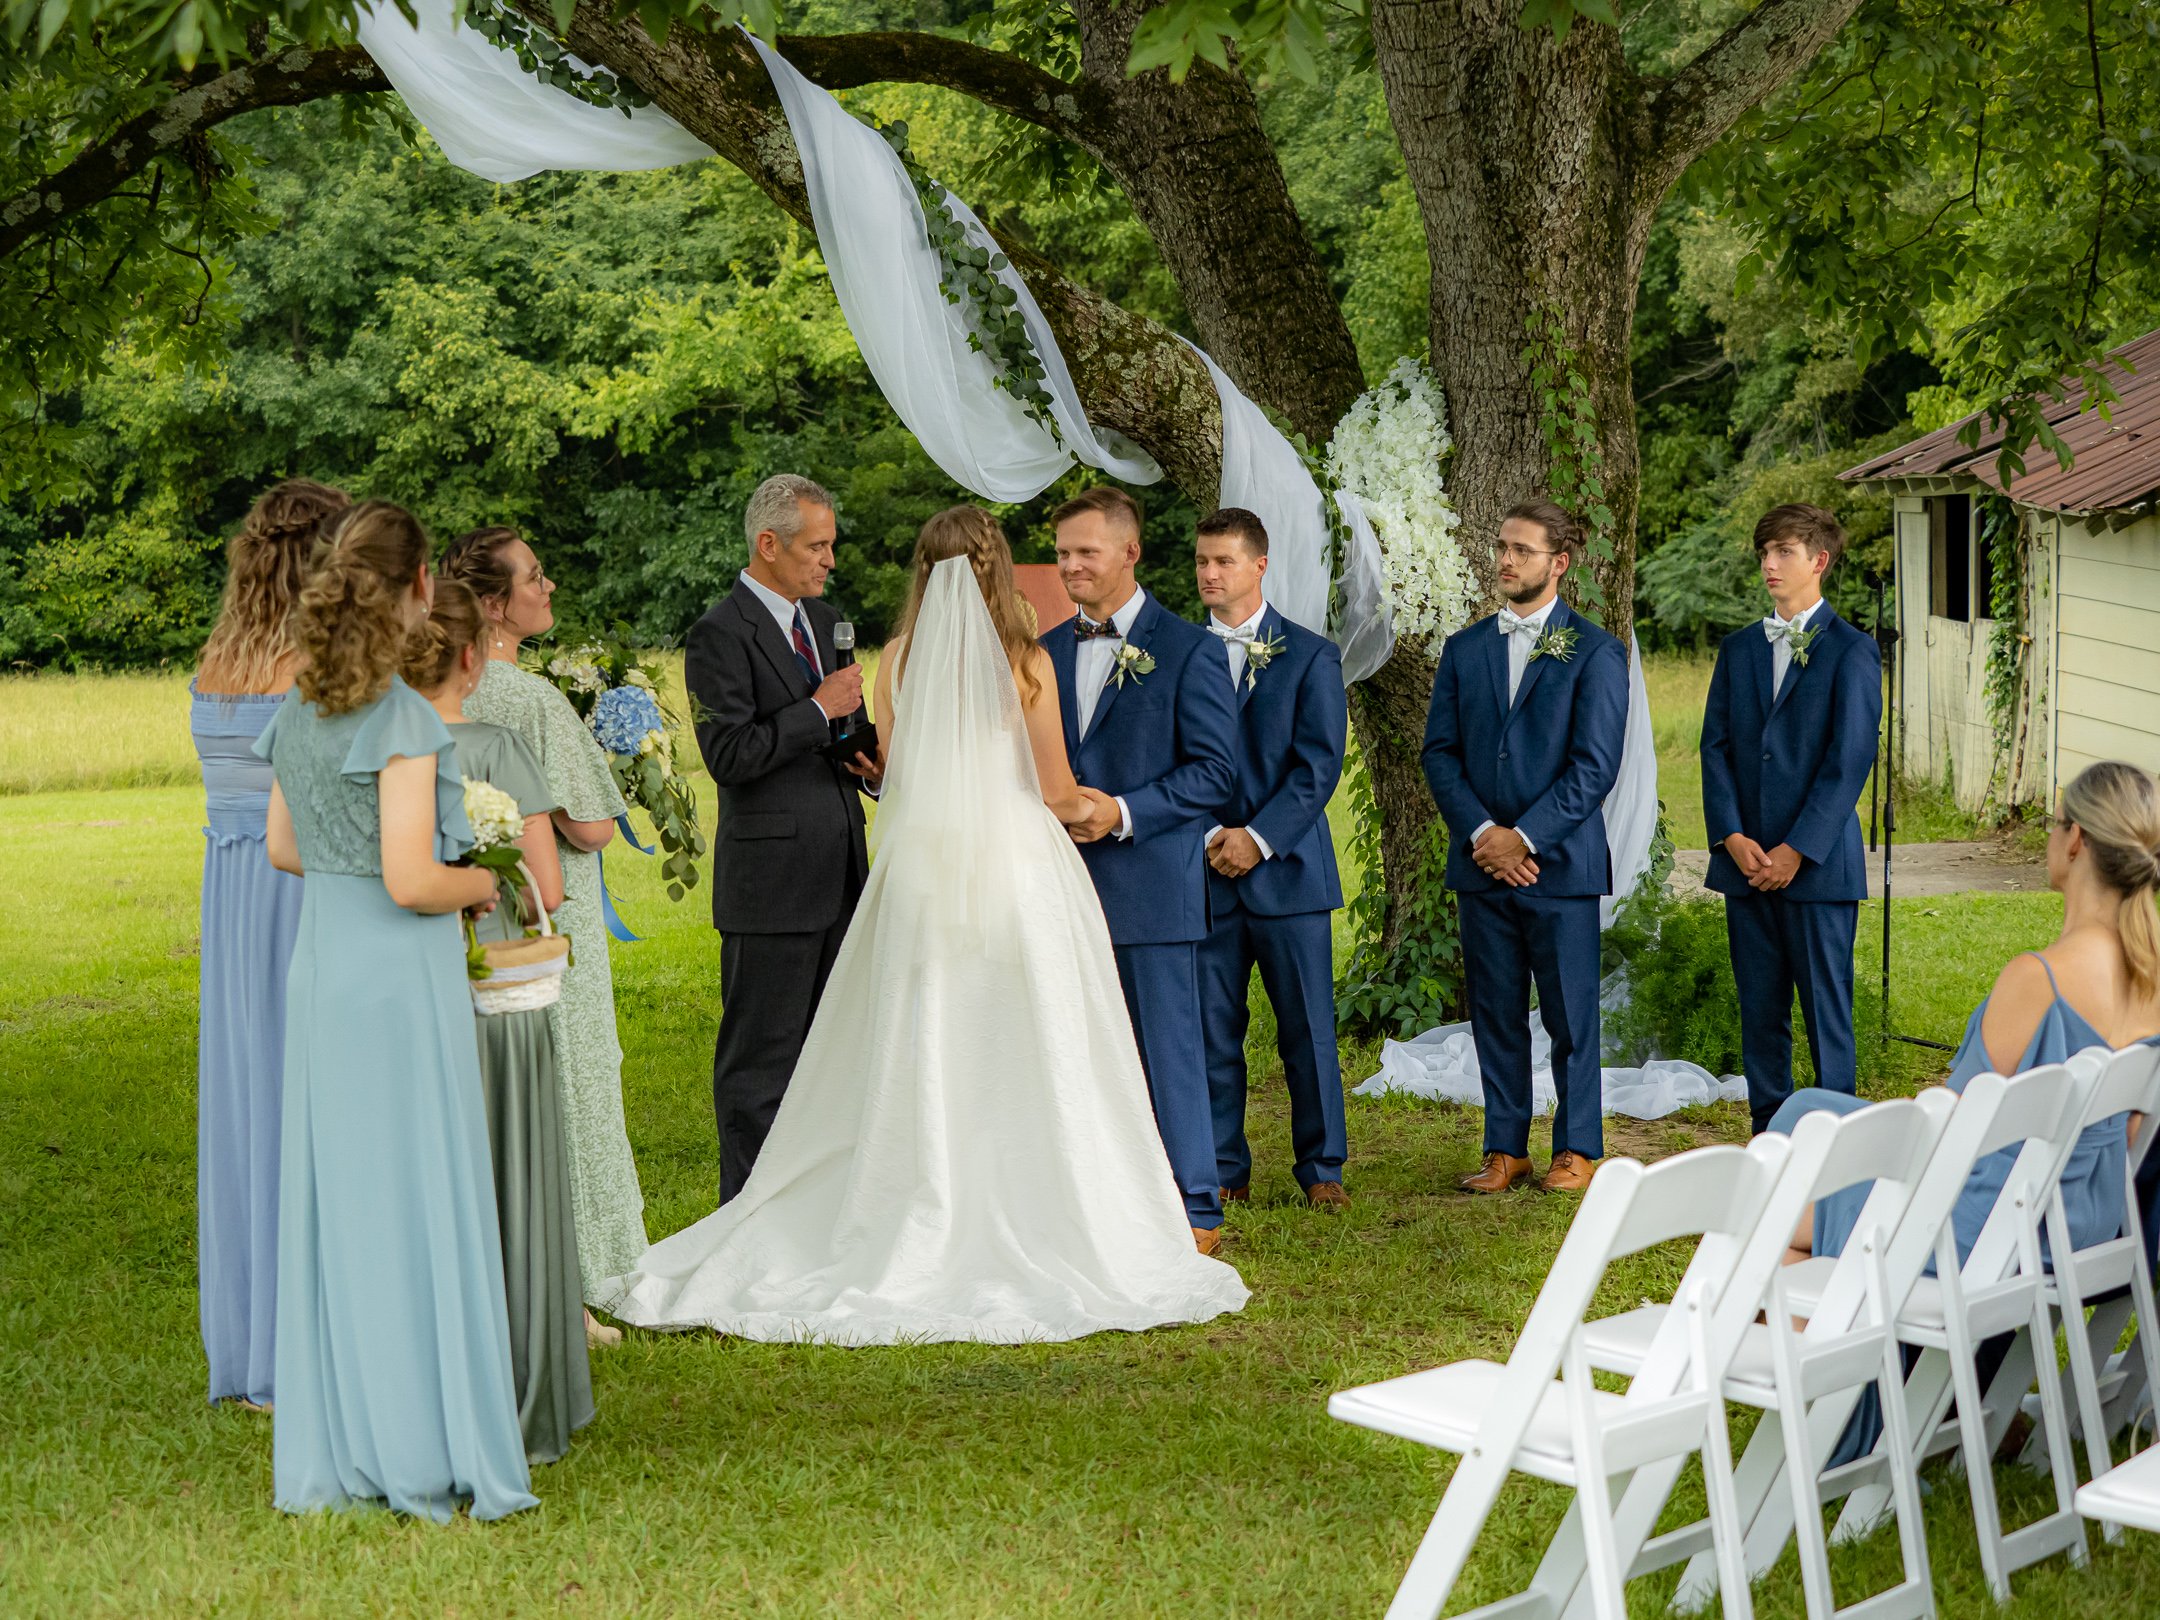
789, 857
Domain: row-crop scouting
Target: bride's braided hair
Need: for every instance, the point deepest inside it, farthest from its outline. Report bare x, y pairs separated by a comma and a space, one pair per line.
970, 532
2118, 808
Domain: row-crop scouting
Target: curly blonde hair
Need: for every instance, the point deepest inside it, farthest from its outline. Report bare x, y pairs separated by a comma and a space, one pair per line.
266, 566
970, 532
350, 622
453, 624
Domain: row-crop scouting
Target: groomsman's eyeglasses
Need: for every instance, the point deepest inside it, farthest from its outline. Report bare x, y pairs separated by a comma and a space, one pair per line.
1522, 554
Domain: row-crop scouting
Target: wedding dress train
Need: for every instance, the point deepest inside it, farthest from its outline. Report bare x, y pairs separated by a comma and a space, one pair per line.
966, 1150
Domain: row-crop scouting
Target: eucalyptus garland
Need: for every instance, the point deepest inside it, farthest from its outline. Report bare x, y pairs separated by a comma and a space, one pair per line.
996, 328
1568, 421
547, 59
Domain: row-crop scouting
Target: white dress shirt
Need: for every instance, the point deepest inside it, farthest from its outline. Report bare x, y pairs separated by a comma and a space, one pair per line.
1780, 647
1236, 639
783, 612
1093, 662
1519, 643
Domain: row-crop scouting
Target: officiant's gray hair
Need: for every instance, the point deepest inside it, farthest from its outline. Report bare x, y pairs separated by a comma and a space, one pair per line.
776, 507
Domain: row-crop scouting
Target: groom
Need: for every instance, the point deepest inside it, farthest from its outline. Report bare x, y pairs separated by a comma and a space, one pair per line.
1522, 744
1151, 730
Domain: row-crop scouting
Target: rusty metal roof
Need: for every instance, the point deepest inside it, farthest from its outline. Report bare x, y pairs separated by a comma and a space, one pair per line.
2115, 459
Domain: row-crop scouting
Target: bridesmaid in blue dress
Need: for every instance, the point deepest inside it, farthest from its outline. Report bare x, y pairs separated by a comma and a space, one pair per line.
2103, 857
393, 1350
249, 915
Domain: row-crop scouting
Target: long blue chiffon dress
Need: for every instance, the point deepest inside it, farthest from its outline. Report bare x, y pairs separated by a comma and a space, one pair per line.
393, 1348
2092, 1179
250, 914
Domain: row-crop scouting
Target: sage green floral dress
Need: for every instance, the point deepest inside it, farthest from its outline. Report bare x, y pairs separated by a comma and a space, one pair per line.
588, 1057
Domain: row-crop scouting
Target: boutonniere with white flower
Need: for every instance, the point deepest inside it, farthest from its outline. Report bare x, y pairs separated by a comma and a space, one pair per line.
1131, 664
1258, 655
1557, 643
1799, 641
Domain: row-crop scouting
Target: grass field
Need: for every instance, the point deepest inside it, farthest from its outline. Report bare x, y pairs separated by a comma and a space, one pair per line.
1189, 1472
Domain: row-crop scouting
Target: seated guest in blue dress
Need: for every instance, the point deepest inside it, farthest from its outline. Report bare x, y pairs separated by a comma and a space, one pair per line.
250, 913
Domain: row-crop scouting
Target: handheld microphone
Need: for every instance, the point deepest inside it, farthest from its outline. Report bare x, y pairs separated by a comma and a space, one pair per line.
843, 641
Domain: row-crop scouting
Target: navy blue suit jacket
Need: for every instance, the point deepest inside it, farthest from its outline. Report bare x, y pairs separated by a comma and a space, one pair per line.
1165, 743
1542, 766
1790, 770
1293, 724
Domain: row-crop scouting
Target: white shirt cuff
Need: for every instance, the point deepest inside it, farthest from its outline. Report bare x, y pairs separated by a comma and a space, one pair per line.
1482, 828
1260, 844
1124, 816
1213, 833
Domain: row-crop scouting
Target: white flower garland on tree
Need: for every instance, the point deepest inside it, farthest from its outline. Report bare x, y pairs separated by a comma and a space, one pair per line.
1387, 451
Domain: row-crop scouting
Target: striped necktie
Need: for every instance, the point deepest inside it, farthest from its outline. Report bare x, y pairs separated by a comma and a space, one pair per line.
805, 651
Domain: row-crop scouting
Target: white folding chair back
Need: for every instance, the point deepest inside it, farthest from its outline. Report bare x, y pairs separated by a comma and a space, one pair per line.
1846, 1345
1997, 1290
1541, 1414
2129, 1084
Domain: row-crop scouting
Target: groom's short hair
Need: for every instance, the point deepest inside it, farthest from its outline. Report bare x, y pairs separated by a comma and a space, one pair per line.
1235, 520
1112, 505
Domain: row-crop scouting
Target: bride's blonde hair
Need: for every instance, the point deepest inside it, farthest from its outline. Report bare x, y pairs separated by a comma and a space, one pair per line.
970, 532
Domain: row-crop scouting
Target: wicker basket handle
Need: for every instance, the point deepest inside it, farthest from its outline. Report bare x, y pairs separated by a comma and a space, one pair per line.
547, 923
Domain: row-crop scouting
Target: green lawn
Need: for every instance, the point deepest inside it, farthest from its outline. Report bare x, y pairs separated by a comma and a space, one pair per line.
1190, 1471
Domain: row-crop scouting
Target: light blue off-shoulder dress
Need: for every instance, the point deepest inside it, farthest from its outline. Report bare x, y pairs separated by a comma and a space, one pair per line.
393, 1350
250, 913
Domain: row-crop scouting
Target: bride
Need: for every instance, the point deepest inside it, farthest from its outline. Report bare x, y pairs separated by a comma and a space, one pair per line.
966, 1149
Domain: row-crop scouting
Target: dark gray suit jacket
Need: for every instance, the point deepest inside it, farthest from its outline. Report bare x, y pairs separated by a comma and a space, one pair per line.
788, 853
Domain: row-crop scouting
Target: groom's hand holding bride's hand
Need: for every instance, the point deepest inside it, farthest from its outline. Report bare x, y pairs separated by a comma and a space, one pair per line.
1100, 820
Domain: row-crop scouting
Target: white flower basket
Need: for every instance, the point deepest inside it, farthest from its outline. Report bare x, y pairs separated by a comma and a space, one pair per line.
524, 975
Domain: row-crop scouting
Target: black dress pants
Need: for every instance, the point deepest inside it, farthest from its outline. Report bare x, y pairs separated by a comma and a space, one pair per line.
769, 990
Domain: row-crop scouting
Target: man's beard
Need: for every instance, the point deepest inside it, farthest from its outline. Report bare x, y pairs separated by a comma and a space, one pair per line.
1523, 591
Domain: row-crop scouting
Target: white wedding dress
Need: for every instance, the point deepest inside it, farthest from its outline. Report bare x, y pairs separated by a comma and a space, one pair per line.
966, 1150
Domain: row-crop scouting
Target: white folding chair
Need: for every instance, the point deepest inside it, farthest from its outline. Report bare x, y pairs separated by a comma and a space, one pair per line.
2128, 1493
1997, 1290
2130, 1083
1847, 1344
1541, 1414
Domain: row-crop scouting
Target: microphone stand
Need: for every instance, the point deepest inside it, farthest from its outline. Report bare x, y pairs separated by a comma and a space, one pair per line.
1885, 783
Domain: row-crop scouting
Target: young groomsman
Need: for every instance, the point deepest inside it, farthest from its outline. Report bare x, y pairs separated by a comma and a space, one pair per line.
1272, 885
1522, 744
1788, 739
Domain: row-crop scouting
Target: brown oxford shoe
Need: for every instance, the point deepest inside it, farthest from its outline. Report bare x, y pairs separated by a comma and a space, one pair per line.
1327, 1195
1501, 1171
1208, 1240
1237, 1195
1570, 1173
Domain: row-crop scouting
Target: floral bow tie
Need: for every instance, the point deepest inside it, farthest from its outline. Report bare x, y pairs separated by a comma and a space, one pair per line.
1513, 624
1779, 630
1086, 629
1244, 633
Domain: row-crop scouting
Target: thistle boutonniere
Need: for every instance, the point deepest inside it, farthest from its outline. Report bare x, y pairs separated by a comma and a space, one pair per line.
1132, 663
1259, 654
1557, 643
1799, 641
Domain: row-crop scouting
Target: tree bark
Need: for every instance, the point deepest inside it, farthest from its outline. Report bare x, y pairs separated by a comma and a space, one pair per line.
299, 74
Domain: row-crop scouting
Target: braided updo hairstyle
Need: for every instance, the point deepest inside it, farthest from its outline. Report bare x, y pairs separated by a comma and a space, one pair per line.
350, 623
453, 624
2118, 808
266, 565
970, 532
475, 559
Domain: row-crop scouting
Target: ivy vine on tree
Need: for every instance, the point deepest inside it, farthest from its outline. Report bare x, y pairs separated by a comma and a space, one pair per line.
2003, 533
544, 57
1568, 423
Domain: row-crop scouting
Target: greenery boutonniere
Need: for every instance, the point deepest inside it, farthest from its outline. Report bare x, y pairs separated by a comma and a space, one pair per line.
1258, 655
1556, 644
1132, 663
1799, 641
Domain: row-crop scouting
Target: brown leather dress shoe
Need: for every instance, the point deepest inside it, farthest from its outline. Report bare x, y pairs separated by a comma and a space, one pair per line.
1208, 1240
1501, 1171
1570, 1173
1327, 1195
1237, 1195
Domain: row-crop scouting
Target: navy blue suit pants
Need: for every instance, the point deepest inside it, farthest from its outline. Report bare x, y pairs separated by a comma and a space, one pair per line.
1296, 958
1162, 994
1511, 940
1779, 946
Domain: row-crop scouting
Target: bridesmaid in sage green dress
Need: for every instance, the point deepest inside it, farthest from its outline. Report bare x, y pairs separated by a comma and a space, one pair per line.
513, 592
393, 1350
443, 662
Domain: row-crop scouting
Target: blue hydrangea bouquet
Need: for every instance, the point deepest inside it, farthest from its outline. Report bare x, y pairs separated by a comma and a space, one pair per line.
618, 694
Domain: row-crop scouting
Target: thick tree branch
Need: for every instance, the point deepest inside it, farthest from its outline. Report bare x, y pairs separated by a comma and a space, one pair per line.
1747, 64
205, 100
1133, 375
1074, 112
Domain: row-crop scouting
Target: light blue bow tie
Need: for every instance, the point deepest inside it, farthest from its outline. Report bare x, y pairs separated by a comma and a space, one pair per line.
1514, 624
1244, 633
1779, 630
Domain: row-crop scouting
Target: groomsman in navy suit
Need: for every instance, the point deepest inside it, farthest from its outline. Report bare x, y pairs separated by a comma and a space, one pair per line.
1788, 739
1522, 744
1151, 730
1272, 886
